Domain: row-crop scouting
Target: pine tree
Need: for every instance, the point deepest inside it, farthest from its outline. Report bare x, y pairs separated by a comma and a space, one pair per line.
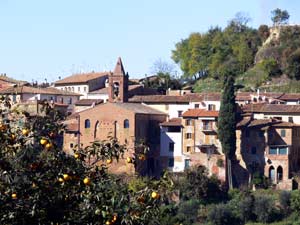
41, 184
227, 124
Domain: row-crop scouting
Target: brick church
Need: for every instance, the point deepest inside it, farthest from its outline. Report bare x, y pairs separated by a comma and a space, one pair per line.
130, 123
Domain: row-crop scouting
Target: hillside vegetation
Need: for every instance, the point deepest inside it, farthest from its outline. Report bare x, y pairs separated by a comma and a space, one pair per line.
266, 58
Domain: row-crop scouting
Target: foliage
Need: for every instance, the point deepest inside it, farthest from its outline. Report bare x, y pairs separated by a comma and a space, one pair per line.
263, 32
295, 201
293, 68
263, 208
40, 184
206, 55
222, 215
285, 201
195, 184
280, 16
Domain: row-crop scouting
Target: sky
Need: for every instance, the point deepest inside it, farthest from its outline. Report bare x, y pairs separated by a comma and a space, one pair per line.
48, 39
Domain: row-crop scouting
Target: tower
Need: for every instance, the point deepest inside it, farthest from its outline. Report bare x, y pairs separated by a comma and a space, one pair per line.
118, 84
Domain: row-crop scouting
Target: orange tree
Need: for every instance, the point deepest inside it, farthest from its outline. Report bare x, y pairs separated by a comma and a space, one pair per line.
41, 184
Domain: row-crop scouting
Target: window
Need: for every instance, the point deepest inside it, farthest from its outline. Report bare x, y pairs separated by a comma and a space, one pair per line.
84, 89
188, 149
126, 123
171, 162
187, 163
174, 129
70, 101
171, 147
188, 135
291, 119
196, 106
273, 151
253, 150
179, 113
14, 98
279, 173
272, 174
62, 100
78, 89
73, 89
211, 107
87, 123
283, 151
71, 145
282, 133
188, 122
207, 125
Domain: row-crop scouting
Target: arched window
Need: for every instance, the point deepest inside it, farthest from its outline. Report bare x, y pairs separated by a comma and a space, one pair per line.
87, 123
126, 123
279, 173
272, 174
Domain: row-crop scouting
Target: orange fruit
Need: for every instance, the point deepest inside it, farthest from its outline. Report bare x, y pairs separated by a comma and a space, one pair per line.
43, 141
87, 181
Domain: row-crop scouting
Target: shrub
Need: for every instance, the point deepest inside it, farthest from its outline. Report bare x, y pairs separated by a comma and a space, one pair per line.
263, 208
295, 201
221, 214
285, 200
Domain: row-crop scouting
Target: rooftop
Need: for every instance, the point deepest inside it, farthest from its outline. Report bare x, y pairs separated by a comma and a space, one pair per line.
88, 102
200, 113
33, 90
174, 122
81, 78
271, 108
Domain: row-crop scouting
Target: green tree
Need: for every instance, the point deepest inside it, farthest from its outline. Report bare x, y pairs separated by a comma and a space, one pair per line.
293, 67
40, 184
279, 17
227, 124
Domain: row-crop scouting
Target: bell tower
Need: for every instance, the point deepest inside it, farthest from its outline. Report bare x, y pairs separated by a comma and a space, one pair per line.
118, 84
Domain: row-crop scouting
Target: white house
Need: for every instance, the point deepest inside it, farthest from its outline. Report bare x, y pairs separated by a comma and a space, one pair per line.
171, 146
83, 83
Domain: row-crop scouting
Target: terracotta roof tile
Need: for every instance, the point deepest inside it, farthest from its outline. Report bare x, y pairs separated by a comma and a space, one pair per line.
34, 90
200, 113
270, 108
81, 78
88, 102
172, 122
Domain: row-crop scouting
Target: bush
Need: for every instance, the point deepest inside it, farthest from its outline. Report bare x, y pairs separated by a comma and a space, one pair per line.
295, 201
263, 208
221, 214
285, 201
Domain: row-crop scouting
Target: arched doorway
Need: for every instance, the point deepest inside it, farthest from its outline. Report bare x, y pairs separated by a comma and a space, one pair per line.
279, 173
272, 173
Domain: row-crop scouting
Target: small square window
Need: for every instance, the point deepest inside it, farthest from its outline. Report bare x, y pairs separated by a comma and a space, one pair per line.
273, 151
291, 119
188, 135
188, 149
71, 145
196, 106
179, 113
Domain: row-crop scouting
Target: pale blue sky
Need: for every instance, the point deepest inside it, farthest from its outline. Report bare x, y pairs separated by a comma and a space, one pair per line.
50, 38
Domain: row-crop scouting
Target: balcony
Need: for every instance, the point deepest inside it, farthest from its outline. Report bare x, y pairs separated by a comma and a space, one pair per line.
209, 128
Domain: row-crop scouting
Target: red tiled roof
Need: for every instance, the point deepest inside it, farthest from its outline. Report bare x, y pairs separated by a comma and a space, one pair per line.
172, 122
270, 108
200, 113
34, 90
88, 102
81, 78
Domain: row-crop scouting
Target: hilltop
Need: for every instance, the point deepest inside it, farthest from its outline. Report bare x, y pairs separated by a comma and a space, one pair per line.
267, 58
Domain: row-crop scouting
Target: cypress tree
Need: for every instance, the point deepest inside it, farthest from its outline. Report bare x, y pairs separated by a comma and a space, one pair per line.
227, 124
